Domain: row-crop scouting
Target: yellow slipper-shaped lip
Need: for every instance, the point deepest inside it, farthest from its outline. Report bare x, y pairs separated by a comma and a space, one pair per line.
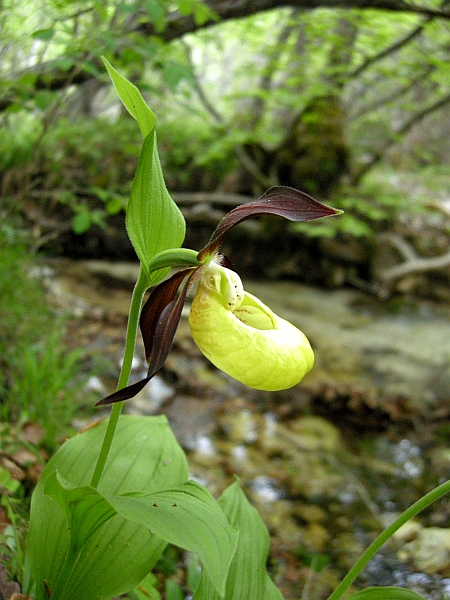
241, 336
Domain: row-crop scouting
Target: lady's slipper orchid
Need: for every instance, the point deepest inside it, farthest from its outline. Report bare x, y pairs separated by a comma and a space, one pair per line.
241, 336
233, 329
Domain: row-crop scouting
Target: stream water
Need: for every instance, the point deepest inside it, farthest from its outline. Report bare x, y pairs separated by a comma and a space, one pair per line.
329, 463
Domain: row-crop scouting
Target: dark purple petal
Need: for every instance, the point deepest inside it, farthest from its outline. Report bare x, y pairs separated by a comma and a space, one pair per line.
125, 393
281, 201
159, 299
165, 330
159, 321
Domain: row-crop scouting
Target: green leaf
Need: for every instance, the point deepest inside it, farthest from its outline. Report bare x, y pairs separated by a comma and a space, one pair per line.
145, 455
385, 593
189, 517
154, 222
132, 100
146, 589
186, 516
81, 222
248, 577
173, 590
83, 506
157, 15
45, 35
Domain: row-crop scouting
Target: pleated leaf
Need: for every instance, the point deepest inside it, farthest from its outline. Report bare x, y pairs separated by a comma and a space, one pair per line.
189, 517
144, 456
248, 578
186, 516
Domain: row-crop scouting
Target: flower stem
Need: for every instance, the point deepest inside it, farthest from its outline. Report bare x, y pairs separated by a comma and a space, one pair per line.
379, 541
130, 343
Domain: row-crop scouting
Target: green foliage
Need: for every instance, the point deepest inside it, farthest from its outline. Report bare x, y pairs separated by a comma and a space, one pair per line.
247, 577
111, 499
46, 385
88, 164
145, 590
160, 463
165, 509
380, 199
11, 537
25, 312
385, 593
42, 380
19, 134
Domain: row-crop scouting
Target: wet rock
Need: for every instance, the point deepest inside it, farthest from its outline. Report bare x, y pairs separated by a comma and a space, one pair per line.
315, 433
389, 351
408, 532
429, 551
310, 513
241, 426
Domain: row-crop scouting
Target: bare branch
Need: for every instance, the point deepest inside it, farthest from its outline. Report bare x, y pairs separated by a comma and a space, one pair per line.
178, 25
390, 49
395, 95
413, 263
401, 131
248, 163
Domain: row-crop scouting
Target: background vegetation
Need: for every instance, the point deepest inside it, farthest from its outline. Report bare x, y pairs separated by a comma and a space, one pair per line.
338, 102
348, 102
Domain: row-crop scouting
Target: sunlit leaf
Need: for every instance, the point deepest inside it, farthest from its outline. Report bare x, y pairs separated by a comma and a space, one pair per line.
133, 101
84, 508
154, 222
189, 517
160, 463
248, 577
186, 516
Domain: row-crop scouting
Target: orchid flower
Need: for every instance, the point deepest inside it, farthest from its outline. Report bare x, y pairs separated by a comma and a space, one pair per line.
233, 329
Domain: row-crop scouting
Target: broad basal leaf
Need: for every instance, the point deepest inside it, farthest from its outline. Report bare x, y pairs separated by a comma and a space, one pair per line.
248, 578
186, 516
144, 456
85, 510
189, 517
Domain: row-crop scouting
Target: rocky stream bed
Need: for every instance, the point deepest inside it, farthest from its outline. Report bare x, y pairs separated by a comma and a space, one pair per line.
328, 463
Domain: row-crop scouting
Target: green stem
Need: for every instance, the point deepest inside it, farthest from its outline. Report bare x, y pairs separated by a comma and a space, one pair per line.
409, 513
130, 343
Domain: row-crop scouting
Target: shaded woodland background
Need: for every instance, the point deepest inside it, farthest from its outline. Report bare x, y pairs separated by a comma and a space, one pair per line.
348, 101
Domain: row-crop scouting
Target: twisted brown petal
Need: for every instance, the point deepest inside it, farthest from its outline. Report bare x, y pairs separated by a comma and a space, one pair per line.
159, 321
280, 201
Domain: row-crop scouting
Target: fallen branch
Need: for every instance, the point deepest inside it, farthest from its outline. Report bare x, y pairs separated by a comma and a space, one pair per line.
413, 263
